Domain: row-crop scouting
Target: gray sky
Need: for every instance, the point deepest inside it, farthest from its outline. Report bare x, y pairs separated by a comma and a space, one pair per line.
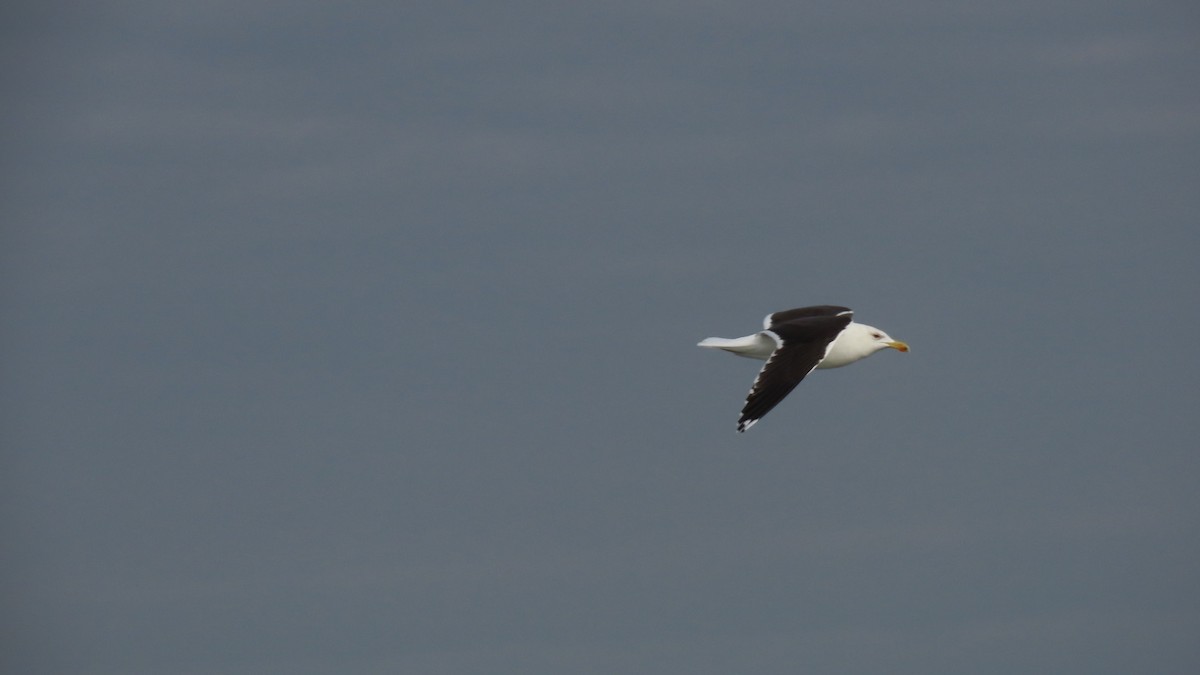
359, 337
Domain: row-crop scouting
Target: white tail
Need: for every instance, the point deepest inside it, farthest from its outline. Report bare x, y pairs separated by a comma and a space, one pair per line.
757, 346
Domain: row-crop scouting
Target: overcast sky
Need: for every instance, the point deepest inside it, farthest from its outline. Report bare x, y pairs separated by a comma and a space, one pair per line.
360, 337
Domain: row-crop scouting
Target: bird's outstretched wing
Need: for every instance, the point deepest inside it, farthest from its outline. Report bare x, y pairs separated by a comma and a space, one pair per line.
801, 344
815, 311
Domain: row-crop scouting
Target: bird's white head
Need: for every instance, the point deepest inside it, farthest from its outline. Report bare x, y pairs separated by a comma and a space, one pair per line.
858, 341
879, 339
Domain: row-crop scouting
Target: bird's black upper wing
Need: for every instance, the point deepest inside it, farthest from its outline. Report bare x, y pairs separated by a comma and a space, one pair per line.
802, 344
804, 313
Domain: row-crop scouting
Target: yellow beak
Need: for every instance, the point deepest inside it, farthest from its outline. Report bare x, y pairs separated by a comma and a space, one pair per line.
898, 346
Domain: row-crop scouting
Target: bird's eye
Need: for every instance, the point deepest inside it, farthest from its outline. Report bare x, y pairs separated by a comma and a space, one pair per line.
876, 335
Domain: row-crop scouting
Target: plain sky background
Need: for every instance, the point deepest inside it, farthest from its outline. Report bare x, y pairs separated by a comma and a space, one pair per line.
360, 337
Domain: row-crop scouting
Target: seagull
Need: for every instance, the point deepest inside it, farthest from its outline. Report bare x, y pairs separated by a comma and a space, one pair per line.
796, 342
